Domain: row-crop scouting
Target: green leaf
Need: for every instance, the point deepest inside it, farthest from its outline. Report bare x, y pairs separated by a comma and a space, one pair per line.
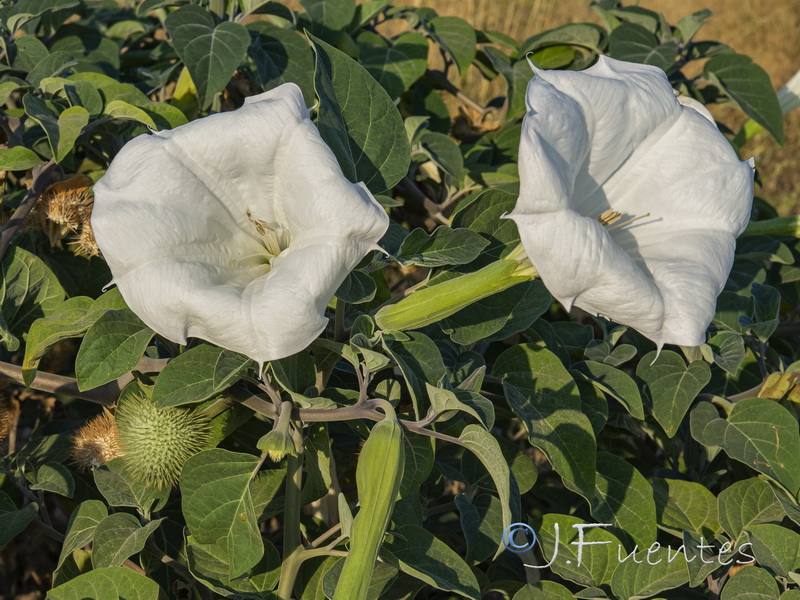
420, 554
484, 215
613, 382
18, 158
483, 445
749, 87
82, 523
420, 361
118, 537
210, 53
517, 75
623, 497
399, 66
29, 290
543, 394
747, 503
149, 5
672, 386
112, 347
776, 548
296, 373
62, 130
634, 43
50, 65
14, 521
419, 462
444, 152
119, 489
445, 246
766, 310
599, 552
500, 315
107, 584
586, 35
209, 564
329, 17
357, 288
198, 374
218, 507
27, 10
119, 109
281, 56
458, 39
728, 350
480, 522
553, 57
685, 506
751, 583
758, 432
359, 121
647, 573
56, 478
543, 590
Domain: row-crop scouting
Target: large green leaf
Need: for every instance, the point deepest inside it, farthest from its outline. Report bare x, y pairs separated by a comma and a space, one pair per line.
26, 10
29, 291
672, 386
747, 503
420, 554
458, 39
543, 394
18, 158
776, 548
614, 382
111, 583
624, 498
685, 506
586, 553
56, 478
420, 361
218, 507
751, 583
62, 129
359, 121
399, 66
634, 43
199, 374
118, 537
329, 17
113, 346
445, 246
210, 53
14, 521
119, 489
758, 432
749, 87
544, 590
281, 56
517, 75
648, 572
82, 523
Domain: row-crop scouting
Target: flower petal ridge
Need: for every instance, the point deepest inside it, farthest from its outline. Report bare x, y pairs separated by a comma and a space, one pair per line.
236, 228
614, 140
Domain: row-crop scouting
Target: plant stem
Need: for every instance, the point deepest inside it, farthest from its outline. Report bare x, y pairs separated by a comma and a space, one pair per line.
294, 482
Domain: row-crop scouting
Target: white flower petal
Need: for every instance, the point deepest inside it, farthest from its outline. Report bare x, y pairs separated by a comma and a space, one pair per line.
188, 220
614, 137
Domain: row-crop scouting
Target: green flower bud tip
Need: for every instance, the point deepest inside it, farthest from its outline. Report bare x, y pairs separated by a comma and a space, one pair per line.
158, 441
279, 442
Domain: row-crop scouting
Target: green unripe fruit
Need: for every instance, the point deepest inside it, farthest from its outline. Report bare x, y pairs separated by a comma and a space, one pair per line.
158, 441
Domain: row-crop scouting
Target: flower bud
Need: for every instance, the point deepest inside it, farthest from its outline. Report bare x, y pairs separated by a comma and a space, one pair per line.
279, 442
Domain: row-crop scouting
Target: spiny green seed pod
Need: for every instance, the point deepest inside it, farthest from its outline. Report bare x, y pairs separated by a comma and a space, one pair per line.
158, 441
378, 476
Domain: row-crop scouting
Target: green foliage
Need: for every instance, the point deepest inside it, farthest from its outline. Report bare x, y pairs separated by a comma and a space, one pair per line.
508, 410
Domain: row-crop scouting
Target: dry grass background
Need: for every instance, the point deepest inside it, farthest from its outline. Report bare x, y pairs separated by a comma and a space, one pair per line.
766, 30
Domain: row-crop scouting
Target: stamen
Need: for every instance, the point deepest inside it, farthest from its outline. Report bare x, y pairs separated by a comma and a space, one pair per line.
609, 216
628, 222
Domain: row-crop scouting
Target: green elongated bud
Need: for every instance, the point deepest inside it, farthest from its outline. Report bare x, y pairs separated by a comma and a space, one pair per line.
278, 443
378, 476
788, 226
434, 302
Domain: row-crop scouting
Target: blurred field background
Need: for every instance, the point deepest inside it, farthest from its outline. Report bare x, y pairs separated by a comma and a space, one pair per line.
766, 30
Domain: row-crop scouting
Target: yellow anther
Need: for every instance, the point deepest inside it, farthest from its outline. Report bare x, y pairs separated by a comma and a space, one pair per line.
609, 216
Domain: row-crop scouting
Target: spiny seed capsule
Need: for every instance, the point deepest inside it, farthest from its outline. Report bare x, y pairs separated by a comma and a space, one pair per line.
96, 443
8, 410
158, 441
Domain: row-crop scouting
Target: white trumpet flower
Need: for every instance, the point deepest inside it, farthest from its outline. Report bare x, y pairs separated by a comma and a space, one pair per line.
236, 228
630, 200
